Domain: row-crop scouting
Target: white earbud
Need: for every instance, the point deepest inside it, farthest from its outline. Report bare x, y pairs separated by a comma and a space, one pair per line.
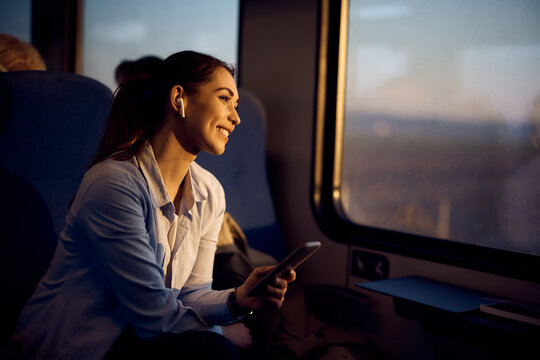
180, 103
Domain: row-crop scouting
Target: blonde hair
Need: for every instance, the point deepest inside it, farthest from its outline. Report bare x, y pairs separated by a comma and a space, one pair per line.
18, 55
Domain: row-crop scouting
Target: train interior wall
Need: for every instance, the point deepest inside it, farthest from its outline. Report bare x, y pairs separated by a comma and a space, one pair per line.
278, 63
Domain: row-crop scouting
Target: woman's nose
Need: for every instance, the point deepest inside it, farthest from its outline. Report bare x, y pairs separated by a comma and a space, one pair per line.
234, 117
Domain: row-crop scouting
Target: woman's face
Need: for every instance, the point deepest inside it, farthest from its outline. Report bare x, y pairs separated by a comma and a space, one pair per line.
210, 115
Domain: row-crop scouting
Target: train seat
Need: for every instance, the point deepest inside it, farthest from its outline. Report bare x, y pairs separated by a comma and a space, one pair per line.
51, 124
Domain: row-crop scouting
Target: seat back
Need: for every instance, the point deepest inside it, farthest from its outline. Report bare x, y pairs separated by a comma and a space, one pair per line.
51, 124
242, 172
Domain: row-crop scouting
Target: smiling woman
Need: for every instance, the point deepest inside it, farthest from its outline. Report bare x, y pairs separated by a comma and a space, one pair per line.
136, 254
211, 112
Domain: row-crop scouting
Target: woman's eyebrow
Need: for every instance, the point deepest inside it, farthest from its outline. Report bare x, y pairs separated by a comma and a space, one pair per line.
226, 88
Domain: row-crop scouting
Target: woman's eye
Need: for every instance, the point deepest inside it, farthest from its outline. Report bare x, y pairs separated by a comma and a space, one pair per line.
225, 98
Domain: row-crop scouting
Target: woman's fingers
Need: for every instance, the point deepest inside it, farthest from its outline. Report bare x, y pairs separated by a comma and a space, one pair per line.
292, 276
278, 289
273, 295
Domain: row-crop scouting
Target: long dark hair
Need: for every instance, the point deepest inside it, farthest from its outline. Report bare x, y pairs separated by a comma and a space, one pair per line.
138, 108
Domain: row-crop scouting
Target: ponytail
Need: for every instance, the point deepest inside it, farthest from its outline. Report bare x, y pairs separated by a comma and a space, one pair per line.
127, 127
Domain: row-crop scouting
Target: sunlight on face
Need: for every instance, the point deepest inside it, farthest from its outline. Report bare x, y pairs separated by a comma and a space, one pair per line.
211, 114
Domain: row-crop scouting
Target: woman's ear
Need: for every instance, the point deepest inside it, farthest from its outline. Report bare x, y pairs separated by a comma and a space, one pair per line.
177, 100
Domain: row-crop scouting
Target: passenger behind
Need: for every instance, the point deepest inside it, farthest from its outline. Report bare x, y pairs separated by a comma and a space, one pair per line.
136, 69
18, 55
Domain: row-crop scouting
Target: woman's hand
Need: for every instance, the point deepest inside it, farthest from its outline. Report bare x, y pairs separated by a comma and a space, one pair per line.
271, 298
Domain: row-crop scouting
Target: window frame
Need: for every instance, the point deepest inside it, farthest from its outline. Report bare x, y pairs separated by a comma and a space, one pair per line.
326, 173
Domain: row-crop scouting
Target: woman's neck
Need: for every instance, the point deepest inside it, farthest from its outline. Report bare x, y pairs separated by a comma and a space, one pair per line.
173, 162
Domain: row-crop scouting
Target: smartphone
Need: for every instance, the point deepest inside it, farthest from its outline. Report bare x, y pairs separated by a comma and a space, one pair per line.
292, 261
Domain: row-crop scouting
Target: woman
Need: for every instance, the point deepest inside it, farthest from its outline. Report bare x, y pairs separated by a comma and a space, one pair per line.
137, 250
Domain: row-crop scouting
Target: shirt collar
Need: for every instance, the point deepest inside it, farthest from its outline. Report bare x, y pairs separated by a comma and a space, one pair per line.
200, 193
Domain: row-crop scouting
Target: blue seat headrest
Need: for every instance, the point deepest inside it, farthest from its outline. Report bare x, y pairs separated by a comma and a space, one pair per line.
52, 123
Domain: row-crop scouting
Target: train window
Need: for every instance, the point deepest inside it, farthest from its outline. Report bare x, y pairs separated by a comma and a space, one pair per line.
114, 31
16, 19
442, 120
436, 126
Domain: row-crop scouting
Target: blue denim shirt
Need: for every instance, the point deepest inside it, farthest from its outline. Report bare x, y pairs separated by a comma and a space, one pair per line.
121, 237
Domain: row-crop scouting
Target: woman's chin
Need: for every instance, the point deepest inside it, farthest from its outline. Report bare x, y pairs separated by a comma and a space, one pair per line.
216, 151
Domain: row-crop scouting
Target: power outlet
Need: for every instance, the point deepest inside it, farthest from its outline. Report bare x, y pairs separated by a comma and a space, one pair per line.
369, 265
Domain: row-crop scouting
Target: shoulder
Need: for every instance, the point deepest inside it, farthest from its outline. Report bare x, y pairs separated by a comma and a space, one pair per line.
116, 171
112, 179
